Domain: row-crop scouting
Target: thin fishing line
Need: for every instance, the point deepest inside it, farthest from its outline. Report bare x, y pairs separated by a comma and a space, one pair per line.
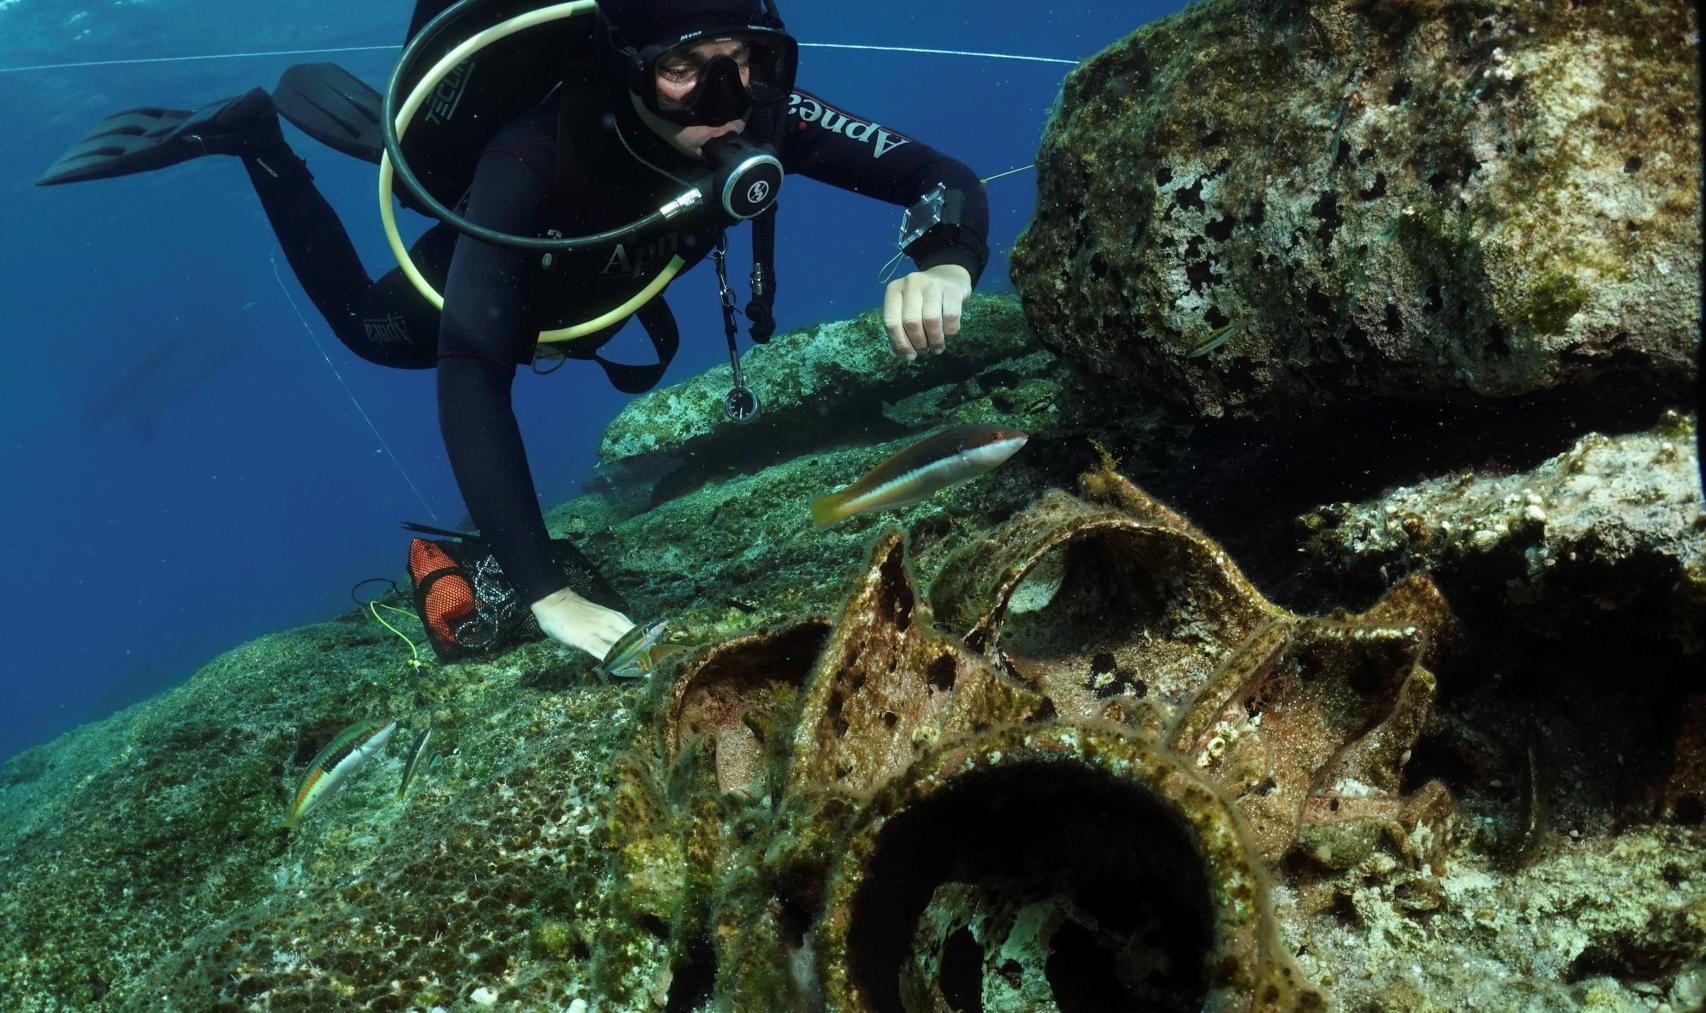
1009, 172
259, 54
939, 52
334, 368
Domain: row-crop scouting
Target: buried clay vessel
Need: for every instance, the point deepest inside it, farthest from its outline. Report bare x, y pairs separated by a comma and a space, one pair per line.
1065, 777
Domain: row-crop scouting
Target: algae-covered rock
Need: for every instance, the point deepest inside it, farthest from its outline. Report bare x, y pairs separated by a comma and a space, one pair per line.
1009, 746
145, 865
1603, 924
823, 385
1610, 531
1254, 210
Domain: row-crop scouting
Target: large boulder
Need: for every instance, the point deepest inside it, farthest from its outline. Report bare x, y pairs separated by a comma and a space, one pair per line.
1255, 208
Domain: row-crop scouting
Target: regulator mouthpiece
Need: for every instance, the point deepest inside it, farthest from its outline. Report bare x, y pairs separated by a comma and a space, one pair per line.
745, 177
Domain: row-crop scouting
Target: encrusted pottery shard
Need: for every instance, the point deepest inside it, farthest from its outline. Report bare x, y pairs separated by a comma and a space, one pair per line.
1126, 612
1032, 863
1112, 615
739, 695
1268, 742
888, 684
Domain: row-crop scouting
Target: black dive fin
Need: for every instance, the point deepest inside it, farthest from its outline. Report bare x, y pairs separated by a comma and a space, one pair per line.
148, 138
334, 107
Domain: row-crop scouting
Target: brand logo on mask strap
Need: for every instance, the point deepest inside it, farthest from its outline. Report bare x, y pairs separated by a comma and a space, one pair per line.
810, 110
386, 330
441, 105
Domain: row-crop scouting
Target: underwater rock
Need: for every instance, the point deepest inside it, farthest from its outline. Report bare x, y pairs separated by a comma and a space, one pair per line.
152, 872
1608, 534
1257, 210
1610, 923
819, 385
1093, 768
807, 382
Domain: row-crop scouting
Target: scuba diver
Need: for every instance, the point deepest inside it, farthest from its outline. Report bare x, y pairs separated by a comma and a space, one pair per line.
572, 168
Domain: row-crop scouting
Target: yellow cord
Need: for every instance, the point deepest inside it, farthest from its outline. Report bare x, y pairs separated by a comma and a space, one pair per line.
414, 662
621, 312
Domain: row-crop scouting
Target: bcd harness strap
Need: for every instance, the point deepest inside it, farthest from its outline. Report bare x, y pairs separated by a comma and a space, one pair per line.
579, 118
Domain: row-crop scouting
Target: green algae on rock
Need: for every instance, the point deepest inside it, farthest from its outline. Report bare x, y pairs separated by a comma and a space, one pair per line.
818, 386
720, 832
151, 873
1400, 201
1621, 515
1601, 924
723, 831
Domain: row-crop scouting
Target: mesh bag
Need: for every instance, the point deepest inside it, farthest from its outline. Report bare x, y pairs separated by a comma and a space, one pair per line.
470, 610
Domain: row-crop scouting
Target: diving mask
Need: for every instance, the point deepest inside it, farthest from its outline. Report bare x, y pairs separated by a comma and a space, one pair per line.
705, 79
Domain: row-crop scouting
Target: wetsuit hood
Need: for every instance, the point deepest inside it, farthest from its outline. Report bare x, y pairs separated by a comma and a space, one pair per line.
649, 24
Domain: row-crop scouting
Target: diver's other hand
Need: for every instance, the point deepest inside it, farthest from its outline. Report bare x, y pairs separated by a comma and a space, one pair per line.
922, 310
568, 618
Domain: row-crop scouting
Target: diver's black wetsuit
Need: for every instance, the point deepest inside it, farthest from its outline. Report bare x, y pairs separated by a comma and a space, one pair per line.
497, 299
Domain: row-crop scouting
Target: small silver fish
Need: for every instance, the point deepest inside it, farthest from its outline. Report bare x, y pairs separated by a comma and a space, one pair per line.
417, 752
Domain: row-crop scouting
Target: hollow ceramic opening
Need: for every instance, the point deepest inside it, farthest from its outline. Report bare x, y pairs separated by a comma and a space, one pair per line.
1048, 884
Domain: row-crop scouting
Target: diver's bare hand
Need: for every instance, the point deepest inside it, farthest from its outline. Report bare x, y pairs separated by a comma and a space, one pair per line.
568, 618
922, 309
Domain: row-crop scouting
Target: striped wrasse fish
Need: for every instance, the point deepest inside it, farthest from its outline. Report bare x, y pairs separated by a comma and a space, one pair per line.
632, 656
347, 751
921, 470
1217, 337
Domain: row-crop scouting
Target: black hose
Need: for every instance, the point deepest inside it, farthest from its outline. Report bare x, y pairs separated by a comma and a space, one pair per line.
428, 40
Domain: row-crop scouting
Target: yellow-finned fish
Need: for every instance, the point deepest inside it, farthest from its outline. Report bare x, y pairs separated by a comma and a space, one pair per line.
928, 466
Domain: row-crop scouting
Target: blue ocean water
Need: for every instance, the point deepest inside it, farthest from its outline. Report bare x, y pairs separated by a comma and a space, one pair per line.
184, 469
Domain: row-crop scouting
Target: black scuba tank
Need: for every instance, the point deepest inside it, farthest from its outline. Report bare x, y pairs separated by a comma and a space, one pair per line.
483, 94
